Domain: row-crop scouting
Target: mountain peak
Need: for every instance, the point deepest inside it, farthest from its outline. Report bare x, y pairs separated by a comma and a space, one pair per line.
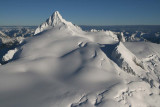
55, 19
56, 13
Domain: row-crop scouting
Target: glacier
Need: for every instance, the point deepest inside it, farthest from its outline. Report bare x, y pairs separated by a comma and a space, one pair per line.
64, 66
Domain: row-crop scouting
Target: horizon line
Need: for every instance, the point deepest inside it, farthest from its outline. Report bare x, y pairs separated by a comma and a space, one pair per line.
85, 25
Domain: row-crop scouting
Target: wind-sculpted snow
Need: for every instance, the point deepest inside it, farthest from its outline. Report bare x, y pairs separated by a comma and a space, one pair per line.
63, 66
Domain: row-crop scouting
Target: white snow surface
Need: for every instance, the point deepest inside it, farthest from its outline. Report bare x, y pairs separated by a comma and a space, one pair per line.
9, 55
63, 66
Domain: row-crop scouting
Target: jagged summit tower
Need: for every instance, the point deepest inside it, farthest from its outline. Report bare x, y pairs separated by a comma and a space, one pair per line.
55, 20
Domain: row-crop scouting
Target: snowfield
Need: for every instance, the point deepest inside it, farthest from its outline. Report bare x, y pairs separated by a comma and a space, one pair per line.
64, 66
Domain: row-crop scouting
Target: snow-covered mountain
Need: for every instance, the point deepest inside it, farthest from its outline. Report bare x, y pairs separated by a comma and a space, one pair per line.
64, 66
56, 21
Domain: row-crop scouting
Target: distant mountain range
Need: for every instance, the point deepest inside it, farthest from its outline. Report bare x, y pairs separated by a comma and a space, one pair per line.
130, 32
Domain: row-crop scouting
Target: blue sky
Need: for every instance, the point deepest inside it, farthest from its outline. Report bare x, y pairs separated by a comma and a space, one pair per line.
81, 12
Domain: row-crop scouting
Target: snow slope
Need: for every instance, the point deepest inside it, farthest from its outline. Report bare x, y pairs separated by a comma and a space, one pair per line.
63, 66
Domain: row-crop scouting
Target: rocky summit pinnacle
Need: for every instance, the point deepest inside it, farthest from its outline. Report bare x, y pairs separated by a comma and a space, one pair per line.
54, 21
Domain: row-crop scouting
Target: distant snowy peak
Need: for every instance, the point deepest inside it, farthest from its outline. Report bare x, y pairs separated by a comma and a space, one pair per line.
54, 21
